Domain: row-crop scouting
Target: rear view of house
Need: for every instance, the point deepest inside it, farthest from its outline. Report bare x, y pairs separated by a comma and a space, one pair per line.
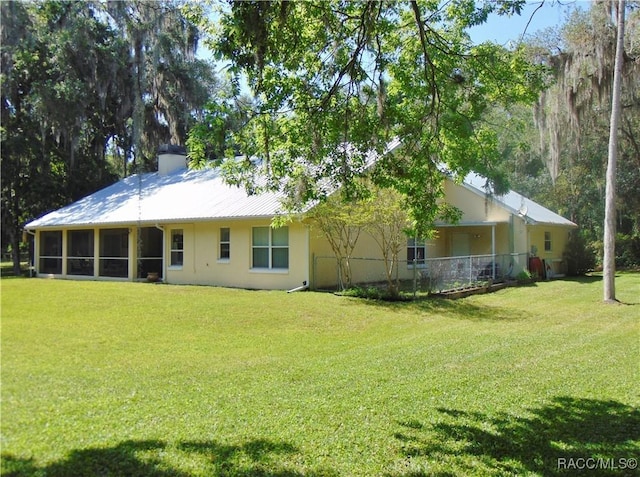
189, 227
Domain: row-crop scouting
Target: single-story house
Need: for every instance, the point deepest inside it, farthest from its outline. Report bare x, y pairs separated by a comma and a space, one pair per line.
189, 227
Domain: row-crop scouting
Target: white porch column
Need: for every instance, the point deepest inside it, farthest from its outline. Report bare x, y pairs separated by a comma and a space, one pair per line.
65, 241
493, 251
132, 255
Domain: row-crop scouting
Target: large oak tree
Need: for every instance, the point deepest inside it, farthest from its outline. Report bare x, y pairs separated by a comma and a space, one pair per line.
83, 81
336, 82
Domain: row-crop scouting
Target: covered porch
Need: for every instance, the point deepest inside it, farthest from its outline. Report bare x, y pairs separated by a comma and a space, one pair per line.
111, 253
473, 238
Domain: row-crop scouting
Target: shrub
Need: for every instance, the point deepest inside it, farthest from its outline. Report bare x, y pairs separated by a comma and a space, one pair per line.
374, 293
524, 276
580, 258
627, 251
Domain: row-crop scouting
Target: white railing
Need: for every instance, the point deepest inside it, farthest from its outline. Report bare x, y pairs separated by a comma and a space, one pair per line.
432, 275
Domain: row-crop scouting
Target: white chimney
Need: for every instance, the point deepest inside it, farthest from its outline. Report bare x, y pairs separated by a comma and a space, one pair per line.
171, 158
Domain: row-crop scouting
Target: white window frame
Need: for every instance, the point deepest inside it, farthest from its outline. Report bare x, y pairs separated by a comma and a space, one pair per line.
548, 242
270, 247
173, 248
222, 242
416, 244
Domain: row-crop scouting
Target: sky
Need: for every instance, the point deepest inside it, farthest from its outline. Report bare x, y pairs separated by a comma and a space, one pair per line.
502, 29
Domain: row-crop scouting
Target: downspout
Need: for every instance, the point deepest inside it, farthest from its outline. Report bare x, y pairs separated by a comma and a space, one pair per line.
164, 274
305, 283
300, 288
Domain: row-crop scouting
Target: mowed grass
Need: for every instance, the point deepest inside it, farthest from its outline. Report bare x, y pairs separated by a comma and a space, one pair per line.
111, 379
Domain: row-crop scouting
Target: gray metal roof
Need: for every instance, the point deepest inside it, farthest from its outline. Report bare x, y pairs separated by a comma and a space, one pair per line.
517, 204
181, 196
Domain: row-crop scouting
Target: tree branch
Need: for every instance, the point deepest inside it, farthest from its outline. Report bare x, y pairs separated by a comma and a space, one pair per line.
429, 68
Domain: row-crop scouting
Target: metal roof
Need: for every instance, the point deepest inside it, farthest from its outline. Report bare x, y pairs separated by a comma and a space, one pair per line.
517, 204
199, 195
180, 196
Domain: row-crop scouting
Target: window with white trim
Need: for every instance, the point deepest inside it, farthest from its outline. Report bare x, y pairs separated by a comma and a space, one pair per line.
270, 248
547, 241
177, 247
224, 245
416, 250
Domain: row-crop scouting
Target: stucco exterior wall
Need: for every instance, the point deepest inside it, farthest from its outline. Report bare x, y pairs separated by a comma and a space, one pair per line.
203, 266
553, 257
474, 207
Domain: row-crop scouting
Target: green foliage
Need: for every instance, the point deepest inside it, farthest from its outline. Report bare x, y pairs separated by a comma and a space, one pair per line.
573, 117
341, 222
103, 378
627, 251
215, 135
580, 257
335, 84
87, 87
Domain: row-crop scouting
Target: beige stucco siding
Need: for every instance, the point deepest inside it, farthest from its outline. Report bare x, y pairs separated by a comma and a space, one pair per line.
558, 236
366, 263
202, 264
474, 207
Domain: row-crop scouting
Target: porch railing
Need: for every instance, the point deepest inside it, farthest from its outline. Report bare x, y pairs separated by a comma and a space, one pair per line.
431, 275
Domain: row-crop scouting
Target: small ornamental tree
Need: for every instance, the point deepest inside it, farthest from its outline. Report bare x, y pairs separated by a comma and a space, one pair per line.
387, 221
341, 223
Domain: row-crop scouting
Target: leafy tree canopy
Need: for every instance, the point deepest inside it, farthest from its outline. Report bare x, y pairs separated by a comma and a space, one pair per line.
337, 82
83, 82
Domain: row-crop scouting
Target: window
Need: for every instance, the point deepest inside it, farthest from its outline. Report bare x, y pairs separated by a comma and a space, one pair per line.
270, 247
50, 252
224, 250
80, 252
416, 250
177, 248
547, 241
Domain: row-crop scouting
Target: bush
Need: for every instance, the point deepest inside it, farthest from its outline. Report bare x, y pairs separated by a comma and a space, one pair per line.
373, 293
579, 256
627, 251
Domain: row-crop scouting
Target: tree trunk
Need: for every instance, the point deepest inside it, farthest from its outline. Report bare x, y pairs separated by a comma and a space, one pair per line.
609, 265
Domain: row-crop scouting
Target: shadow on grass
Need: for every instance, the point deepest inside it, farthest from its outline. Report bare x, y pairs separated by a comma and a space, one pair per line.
567, 437
456, 309
155, 458
583, 279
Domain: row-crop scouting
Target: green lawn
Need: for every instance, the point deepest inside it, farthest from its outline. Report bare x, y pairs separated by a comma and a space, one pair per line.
110, 379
